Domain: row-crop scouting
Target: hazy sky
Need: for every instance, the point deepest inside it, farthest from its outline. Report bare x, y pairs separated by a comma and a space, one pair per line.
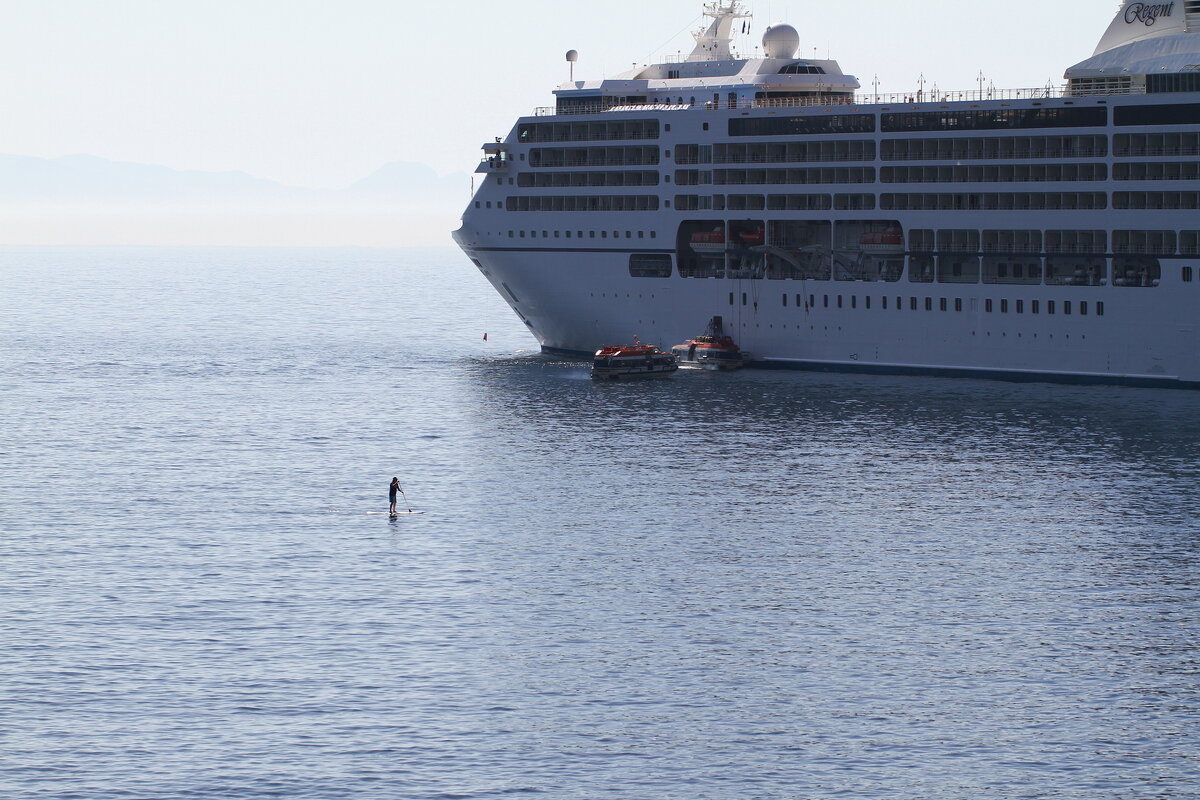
322, 93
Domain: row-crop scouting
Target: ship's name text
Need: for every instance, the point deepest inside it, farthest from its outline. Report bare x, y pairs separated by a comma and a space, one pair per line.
1147, 13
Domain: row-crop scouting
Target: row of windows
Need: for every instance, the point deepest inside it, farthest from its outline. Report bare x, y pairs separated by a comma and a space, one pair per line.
1173, 82
1082, 242
775, 202
1157, 171
629, 155
1000, 173
1156, 199
994, 201
603, 202
591, 131
994, 148
809, 302
580, 234
783, 152
802, 125
995, 119
558, 179
796, 175
1156, 144
962, 148
1176, 114
1008, 241
1032, 271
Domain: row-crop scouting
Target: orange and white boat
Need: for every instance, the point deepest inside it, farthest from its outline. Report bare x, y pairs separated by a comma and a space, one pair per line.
620, 362
714, 350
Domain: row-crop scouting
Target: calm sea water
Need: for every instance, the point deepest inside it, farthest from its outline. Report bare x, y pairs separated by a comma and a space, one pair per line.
762, 585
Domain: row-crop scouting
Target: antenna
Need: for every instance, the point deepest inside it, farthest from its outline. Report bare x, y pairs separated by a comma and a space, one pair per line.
572, 57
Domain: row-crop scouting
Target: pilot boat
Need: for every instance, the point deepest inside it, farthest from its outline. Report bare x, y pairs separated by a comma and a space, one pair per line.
620, 362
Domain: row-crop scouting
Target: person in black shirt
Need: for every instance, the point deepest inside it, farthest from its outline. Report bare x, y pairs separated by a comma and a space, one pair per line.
395, 487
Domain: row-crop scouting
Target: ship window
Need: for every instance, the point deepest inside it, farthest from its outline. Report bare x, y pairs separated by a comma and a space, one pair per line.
1099, 308
731, 298
1083, 308
839, 301
1187, 274
942, 304
641, 234
522, 156
545, 235
826, 301
987, 305
1050, 307
1033, 306
648, 265
785, 301
591, 234
628, 234
958, 304
899, 304
579, 234
1003, 306
1066, 306
557, 234
867, 300
603, 234
912, 303
616, 234
854, 301
653, 234
477, 204
1020, 306
667, 127
522, 234
743, 298
929, 304
510, 234
885, 302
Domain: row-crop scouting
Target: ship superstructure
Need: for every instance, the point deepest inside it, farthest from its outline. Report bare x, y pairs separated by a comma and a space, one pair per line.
1044, 233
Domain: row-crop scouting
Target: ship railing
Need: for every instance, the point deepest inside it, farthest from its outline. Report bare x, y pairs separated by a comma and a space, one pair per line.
860, 98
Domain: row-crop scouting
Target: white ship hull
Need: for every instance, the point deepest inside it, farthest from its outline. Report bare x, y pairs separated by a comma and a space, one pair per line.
571, 301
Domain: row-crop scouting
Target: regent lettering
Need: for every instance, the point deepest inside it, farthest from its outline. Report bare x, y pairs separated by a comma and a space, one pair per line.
1147, 13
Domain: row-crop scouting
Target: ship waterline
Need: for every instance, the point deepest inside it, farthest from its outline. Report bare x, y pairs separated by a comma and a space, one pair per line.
1030, 238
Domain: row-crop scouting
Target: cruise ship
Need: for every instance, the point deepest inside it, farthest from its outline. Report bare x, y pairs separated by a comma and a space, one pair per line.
1033, 234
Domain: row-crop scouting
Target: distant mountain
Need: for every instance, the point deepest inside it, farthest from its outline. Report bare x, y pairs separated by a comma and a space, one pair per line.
405, 179
90, 200
90, 179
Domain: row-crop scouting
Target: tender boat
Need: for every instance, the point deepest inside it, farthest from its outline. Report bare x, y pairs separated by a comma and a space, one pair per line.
714, 350
619, 362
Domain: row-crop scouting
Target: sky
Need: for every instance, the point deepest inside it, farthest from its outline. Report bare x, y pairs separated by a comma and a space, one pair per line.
320, 94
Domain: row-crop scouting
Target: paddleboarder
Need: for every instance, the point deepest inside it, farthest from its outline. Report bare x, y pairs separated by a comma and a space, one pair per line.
395, 487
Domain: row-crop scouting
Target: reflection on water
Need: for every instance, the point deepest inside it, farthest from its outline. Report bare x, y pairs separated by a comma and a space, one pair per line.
761, 584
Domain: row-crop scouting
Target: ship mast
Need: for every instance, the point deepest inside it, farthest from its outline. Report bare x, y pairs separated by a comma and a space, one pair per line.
712, 43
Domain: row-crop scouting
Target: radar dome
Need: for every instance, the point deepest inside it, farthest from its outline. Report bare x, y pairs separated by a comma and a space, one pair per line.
781, 41
572, 56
